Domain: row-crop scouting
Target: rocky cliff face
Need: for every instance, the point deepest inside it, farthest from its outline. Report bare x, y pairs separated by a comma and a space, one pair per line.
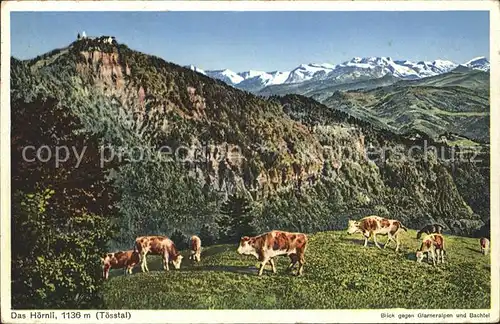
226, 166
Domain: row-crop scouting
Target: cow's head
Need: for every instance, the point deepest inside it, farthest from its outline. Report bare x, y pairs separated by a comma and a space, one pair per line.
245, 247
177, 261
420, 256
107, 258
352, 227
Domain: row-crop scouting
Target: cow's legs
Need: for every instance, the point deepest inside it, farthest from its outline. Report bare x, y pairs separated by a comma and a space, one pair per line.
442, 255
144, 263
302, 261
165, 261
389, 238
375, 240
433, 257
367, 236
262, 265
272, 265
141, 260
398, 243
293, 261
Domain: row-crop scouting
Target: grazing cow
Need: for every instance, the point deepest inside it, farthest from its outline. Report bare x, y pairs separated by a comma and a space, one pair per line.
195, 248
268, 245
430, 229
117, 260
433, 244
485, 245
374, 225
157, 245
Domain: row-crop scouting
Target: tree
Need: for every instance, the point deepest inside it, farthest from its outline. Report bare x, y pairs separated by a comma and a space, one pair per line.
55, 267
236, 219
61, 214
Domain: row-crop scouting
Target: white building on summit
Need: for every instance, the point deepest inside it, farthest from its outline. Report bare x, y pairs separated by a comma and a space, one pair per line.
100, 39
83, 35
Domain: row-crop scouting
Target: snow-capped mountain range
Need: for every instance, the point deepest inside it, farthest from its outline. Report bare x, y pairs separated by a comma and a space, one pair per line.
356, 68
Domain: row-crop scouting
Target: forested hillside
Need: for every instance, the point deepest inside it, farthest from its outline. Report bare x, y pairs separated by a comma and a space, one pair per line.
239, 163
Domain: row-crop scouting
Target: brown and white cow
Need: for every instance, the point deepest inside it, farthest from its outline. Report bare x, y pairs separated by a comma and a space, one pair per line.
195, 248
485, 245
269, 245
118, 260
375, 225
157, 245
433, 244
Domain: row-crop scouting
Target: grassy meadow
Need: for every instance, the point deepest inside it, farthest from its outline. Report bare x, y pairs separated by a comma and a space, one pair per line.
339, 274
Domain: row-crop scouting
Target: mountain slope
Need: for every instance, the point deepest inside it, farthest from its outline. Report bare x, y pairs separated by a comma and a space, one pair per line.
430, 109
323, 89
284, 166
456, 101
467, 78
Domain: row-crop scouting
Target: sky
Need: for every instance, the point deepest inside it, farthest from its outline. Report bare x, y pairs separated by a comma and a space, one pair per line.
266, 41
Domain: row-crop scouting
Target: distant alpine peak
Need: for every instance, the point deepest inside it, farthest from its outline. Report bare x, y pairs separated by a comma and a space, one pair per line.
357, 67
225, 75
479, 59
478, 63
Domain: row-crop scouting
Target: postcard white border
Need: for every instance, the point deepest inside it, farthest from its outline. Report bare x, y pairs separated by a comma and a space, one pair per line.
252, 316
